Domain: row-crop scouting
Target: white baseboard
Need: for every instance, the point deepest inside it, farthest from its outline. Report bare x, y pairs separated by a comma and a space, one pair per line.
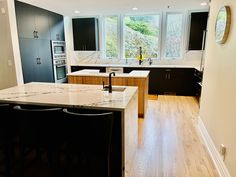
215, 155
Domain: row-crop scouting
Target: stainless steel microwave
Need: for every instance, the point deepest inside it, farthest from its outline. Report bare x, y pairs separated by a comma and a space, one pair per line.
58, 49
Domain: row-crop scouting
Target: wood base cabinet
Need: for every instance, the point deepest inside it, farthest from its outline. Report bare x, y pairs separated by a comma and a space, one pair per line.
141, 83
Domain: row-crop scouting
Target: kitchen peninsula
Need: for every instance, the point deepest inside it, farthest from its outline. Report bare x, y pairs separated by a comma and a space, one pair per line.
134, 78
124, 105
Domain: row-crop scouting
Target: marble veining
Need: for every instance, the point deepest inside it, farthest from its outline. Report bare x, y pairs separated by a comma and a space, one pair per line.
134, 74
190, 59
71, 95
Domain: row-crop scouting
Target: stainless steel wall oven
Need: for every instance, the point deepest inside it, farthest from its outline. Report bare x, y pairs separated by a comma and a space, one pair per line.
59, 61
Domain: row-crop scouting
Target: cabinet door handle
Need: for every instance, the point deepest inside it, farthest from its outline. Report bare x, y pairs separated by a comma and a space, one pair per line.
34, 34
40, 61
37, 60
37, 34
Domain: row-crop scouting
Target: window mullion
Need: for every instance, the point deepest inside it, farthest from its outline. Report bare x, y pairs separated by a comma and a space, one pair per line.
121, 37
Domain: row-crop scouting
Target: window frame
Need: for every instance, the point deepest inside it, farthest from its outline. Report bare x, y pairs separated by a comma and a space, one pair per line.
162, 35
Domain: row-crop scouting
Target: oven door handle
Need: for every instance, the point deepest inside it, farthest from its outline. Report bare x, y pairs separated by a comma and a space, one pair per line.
60, 65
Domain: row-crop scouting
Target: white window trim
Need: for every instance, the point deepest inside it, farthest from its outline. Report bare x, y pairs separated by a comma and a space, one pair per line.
162, 35
121, 37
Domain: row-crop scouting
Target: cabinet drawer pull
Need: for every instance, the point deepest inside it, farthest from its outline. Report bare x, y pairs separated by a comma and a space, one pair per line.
168, 70
37, 60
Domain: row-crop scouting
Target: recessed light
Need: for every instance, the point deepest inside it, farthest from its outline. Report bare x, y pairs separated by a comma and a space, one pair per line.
204, 4
134, 8
77, 11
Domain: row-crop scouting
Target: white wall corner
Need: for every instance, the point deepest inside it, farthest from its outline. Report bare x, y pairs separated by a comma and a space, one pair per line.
15, 41
69, 40
215, 155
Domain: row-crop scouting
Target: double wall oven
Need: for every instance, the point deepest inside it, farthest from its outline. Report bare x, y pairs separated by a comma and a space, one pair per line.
59, 61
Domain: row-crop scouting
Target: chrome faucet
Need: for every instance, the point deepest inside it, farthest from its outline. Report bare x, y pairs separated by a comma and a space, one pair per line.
109, 87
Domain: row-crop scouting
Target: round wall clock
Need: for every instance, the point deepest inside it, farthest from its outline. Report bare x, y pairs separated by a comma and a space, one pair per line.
222, 25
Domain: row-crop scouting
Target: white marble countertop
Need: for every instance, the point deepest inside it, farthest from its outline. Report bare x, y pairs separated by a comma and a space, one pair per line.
132, 74
137, 66
68, 95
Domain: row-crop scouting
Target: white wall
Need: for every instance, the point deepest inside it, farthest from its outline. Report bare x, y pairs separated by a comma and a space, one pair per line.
7, 64
218, 101
15, 42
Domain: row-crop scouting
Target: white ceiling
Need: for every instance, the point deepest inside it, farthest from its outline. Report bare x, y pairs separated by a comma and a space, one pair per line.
109, 7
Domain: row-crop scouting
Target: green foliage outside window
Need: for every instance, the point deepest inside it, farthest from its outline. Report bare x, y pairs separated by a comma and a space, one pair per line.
141, 31
111, 33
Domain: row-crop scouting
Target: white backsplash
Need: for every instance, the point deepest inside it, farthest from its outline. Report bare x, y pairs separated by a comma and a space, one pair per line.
191, 58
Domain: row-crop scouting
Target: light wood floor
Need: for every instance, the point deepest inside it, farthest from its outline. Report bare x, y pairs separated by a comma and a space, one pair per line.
169, 144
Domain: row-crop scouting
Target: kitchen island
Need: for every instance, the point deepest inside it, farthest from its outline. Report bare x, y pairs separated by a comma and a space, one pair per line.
134, 78
124, 104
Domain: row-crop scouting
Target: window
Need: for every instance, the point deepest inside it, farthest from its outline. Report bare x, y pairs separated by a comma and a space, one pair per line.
111, 36
124, 35
174, 33
141, 31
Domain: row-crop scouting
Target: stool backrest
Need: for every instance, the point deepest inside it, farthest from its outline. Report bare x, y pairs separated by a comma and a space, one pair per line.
90, 132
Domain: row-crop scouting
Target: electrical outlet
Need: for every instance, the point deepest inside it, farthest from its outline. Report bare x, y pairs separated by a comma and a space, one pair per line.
9, 62
223, 150
3, 10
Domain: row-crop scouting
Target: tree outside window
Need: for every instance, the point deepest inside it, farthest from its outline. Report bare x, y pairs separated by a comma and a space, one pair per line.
141, 31
173, 39
111, 36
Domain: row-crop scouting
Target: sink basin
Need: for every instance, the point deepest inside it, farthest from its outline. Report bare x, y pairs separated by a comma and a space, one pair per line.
116, 89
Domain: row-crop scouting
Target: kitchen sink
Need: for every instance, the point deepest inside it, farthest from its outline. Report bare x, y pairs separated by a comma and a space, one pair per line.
116, 89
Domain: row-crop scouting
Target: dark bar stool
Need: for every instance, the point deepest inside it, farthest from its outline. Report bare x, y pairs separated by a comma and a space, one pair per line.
39, 128
88, 142
8, 137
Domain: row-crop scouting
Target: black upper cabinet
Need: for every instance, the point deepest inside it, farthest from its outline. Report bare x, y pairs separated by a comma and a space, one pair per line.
197, 27
42, 27
32, 22
25, 20
85, 33
56, 27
